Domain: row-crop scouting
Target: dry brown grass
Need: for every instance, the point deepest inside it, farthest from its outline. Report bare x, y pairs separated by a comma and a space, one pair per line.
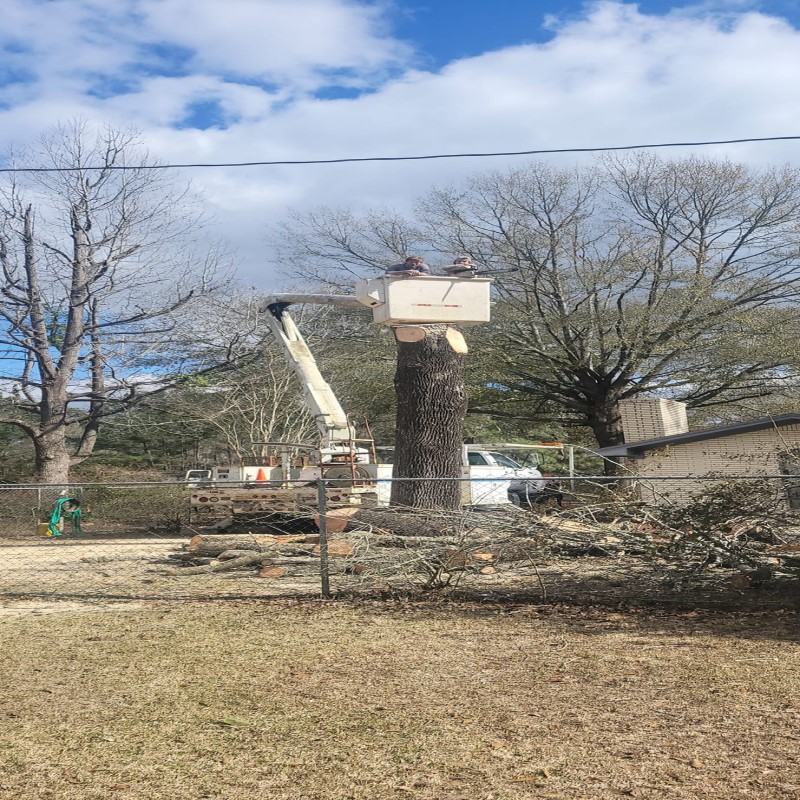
335, 701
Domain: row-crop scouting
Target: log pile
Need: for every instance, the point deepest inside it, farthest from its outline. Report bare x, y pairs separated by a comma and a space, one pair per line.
378, 545
408, 545
271, 556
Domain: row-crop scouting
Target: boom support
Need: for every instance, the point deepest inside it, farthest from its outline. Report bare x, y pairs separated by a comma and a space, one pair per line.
329, 416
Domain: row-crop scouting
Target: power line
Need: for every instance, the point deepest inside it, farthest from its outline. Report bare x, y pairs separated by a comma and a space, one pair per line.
430, 157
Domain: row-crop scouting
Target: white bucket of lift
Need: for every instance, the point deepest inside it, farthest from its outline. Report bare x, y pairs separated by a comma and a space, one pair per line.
421, 300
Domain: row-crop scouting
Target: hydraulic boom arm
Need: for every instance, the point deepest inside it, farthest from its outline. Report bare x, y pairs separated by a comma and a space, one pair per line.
334, 428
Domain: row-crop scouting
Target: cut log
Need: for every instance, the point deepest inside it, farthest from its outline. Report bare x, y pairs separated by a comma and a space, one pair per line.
456, 340
220, 566
214, 545
409, 333
248, 558
227, 554
272, 572
337, 548
337, 519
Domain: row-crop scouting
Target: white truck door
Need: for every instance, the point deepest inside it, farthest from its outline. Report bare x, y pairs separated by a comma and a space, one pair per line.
488, 483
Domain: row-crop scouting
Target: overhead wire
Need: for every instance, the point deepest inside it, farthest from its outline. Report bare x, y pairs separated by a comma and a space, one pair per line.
428, 157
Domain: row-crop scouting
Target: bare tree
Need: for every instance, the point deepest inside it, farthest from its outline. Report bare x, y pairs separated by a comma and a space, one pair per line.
641, 276
333, 247
261, 403
97, 268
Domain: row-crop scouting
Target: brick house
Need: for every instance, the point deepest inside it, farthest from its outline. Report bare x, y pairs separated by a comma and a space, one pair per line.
658, 442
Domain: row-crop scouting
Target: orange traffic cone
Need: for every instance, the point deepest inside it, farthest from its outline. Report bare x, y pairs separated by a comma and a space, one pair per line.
261, 476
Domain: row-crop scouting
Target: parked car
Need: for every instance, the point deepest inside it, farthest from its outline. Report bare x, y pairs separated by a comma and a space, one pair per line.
527, 484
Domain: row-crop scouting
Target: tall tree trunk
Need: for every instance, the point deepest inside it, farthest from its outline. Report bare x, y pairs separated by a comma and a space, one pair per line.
431, 406
52, 456
606, 423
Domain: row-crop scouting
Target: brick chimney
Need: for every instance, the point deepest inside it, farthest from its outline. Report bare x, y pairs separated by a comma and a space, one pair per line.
652, 418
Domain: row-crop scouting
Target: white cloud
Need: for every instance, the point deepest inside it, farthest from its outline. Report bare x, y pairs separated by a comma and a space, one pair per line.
614, 76
283, 40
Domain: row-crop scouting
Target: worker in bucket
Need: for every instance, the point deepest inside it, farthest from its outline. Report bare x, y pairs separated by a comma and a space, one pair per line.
462, 267
412, 267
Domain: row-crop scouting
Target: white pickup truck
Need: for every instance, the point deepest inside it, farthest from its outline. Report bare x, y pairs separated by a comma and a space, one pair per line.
525, 483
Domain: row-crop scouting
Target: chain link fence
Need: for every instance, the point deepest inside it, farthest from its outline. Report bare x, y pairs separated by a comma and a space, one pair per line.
592, 538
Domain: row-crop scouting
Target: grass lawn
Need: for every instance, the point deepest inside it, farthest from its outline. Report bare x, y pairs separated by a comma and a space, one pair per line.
333, 701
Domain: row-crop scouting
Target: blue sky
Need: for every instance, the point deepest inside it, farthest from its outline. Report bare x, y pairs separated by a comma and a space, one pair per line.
241, 80
445, 30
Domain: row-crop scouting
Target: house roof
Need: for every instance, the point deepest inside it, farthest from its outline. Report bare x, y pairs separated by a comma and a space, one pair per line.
637, 449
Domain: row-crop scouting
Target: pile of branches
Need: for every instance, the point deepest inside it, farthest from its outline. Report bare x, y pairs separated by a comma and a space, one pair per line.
745, 529
733, 533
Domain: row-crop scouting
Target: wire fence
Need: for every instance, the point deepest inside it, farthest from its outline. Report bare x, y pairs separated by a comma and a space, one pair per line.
592, 537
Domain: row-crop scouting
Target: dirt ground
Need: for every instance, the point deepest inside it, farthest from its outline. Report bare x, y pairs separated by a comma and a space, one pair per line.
138, 567
334, 700
121, 567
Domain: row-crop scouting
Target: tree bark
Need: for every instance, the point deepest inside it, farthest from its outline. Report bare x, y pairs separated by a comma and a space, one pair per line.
52, 458
606, 424
429, 434
412, 526
214, 545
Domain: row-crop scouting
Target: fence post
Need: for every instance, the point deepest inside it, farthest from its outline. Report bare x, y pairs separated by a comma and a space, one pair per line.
571, 457
322, 512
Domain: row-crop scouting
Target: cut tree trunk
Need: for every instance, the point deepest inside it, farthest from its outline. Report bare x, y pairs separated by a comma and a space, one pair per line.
222, 566
431, 406
412, 524
214, 545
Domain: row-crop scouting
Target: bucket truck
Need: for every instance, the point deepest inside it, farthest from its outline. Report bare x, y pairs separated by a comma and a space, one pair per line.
286, 485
